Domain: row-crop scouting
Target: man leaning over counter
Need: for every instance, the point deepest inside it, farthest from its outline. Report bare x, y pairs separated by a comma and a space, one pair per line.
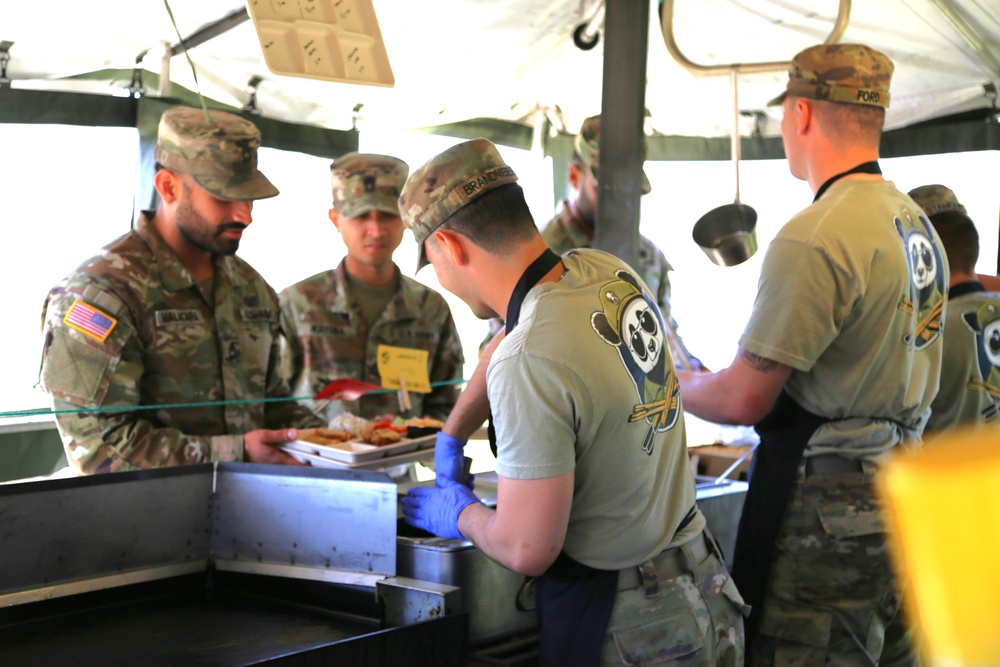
595, 493
167, 315
836, 367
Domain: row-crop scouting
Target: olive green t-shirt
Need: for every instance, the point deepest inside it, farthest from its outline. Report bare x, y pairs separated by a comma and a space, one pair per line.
970, 378
585, 383
851, 296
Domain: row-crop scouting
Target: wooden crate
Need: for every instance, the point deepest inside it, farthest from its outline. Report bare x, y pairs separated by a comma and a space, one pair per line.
713, 460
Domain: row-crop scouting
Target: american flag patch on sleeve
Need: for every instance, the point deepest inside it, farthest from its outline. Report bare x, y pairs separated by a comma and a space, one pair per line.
90, 321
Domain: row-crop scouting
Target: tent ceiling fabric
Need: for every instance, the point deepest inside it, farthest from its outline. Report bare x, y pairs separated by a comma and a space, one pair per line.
455, 60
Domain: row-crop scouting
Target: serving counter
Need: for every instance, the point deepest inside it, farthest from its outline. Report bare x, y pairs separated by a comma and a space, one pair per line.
224, 564
241, 564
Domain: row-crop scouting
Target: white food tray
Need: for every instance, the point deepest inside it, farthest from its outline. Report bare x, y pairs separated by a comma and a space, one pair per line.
330, 40
353, 453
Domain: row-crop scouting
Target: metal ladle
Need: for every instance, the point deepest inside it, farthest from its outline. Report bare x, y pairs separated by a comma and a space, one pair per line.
728, 234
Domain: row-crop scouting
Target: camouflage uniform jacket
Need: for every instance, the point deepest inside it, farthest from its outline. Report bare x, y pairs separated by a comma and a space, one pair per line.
322, 326
167, 343
563, 234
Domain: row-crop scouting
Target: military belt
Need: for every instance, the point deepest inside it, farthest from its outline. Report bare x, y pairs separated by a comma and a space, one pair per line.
668, 564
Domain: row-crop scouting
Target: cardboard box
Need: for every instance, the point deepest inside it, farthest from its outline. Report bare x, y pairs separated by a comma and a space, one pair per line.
713, 460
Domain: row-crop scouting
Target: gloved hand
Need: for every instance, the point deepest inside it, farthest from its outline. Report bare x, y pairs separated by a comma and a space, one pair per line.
436, 510
449, 463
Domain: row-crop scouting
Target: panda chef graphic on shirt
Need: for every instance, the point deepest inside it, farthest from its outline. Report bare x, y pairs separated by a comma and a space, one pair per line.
985, 324
925, 300
630, 321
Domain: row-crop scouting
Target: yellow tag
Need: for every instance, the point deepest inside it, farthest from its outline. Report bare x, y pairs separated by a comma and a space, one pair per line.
395, 363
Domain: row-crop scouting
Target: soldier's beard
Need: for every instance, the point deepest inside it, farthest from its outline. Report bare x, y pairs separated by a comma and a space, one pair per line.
586, 209
197, 231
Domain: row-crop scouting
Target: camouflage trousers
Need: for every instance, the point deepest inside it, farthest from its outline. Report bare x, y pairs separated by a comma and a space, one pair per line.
694, 619
832, 599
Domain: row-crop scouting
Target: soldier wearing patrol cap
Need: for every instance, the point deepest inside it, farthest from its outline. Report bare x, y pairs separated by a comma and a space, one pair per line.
161, 350
969, 395
573, 227
335, 321
836, 368
596, 490
937, 199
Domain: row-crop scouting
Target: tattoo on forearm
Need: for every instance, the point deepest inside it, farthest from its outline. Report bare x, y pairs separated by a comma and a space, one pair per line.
759, 363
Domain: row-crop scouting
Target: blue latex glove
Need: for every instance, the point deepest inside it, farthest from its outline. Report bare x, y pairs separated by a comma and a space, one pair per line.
436, 509
449, 462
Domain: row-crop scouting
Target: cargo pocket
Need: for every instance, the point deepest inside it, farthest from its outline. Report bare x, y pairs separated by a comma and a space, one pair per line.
660, 641
800, 633
850, 563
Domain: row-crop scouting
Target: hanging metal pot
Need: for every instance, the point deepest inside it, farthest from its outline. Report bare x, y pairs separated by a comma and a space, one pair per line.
728, 234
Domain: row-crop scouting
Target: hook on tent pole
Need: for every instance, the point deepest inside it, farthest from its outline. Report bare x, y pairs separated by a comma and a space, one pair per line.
4, 59
251, 90
588, 33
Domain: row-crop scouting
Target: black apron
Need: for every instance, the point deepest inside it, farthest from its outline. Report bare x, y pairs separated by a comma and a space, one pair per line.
573, 600
784, 433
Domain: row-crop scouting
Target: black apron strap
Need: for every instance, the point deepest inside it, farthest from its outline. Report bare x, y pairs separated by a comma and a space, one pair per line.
784, 433
863, 168
535, 272
574, 604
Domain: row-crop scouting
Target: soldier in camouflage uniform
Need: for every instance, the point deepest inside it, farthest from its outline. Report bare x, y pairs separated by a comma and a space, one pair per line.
598, 498
573, 227
335, 321
836, 369
168, 315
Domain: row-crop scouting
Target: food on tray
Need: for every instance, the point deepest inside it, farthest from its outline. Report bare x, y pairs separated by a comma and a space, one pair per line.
382, 436
324, 436
383, 430
351, 423
418, 427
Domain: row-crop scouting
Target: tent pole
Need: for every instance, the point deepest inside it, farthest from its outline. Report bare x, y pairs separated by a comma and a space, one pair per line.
622, 146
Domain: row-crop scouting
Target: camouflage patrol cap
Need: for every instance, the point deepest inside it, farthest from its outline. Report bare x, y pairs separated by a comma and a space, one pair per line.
446, 183
365, 182
935, 199
220, 155
587, 145
846, 73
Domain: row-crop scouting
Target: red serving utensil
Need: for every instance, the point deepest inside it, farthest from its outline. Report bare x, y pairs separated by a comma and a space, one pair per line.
345, 389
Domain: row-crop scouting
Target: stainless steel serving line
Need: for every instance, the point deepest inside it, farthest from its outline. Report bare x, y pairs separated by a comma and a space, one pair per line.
225, 564
240, 564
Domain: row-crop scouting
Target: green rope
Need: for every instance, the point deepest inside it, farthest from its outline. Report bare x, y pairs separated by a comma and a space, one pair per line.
194, 72
169, 406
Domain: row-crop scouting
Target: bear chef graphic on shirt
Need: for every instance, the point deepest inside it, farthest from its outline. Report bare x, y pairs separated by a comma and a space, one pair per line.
925, 300
630, 321
985, 324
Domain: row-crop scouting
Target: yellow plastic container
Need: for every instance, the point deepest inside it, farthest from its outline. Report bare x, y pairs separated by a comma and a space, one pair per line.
943, 511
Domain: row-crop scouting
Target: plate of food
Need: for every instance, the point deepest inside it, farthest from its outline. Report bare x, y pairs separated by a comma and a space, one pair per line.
351, 440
